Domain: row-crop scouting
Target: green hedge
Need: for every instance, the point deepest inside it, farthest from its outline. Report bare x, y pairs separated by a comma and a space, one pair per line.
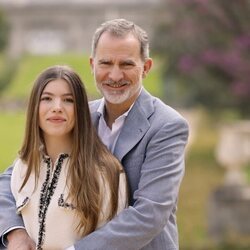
11, 134
31, 66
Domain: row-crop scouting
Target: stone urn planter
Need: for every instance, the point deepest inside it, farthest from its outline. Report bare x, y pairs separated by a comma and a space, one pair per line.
229, 204
233, 151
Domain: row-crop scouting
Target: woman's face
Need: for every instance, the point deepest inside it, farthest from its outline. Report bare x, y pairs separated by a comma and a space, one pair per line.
56, 109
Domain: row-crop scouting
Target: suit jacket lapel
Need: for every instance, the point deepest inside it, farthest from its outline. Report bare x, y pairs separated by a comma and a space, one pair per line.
95, 118
93, 106
135, 125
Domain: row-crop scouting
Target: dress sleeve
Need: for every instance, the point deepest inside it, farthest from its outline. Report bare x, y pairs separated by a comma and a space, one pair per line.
123, 192
15, 178
122, 198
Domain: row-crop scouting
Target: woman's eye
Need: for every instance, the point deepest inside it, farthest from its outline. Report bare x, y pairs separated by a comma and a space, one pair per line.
70, 100
45, 98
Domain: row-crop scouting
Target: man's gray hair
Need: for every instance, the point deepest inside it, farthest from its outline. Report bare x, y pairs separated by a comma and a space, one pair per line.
121, 28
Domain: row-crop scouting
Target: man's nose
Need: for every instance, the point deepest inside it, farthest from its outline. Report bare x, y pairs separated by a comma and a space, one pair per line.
116, 74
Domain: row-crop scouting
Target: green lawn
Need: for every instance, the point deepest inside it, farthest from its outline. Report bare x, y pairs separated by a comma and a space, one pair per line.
30, 66
11, 134
202, 176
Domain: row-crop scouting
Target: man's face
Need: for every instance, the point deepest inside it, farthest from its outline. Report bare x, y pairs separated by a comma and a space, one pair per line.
118, 68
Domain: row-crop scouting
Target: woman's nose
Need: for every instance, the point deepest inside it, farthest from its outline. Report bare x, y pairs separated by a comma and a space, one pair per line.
57, 106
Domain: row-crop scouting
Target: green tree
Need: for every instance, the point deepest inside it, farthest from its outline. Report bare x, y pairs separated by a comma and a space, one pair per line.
7, 66
205, 47
3, 32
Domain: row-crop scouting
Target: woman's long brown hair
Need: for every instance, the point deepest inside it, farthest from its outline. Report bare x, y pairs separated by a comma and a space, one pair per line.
89, 159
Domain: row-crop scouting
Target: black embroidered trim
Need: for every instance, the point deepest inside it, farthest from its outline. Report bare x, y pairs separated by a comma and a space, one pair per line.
23, 203
47, 192
62, 203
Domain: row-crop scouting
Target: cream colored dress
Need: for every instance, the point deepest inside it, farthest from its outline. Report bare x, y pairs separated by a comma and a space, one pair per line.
48, 215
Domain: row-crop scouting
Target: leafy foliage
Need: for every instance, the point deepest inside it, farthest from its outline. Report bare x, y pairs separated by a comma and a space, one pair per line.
206, 53
5, 69
3, 32
11, 134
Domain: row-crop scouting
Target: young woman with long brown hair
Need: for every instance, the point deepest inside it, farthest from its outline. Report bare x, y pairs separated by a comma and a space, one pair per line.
65, 181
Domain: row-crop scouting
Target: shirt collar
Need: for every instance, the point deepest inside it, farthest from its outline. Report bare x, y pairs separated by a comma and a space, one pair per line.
46, 157
101, 109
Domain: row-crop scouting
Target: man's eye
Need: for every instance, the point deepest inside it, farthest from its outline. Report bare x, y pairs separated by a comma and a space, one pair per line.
128, 65
105, 63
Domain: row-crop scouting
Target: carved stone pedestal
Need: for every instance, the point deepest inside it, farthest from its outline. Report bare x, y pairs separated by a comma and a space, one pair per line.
229, 212
229, 204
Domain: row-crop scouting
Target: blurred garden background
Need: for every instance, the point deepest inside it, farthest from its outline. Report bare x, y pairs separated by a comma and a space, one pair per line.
201, 52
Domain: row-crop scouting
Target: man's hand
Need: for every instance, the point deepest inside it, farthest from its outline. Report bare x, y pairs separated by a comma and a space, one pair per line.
18, 239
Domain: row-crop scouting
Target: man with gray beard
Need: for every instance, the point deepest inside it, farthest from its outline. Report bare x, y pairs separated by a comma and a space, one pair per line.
147, 136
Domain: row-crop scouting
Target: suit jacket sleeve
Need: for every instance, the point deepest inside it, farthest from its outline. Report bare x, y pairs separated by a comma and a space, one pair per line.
8, 217
155, 198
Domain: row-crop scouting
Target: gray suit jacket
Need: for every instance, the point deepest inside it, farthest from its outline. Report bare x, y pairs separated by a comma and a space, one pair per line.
151, 149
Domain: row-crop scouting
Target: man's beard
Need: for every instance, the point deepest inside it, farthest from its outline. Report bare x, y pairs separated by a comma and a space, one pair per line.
118, 96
